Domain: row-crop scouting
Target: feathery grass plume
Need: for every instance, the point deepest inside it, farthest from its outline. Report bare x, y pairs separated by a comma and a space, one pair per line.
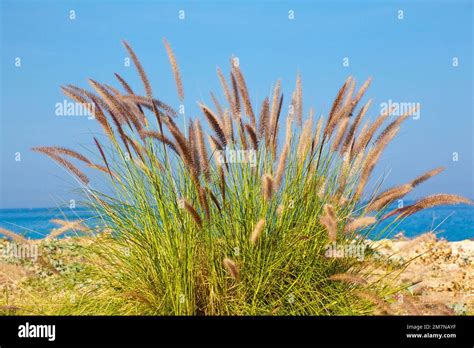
264, 118
244, 93
396, 123
228, 127
428, 202
426, 176
340, 133
193, 146
268, 186
275, 128
174, 66
397, 192
361, 222
371, 160
204, 203
54, 155
204, 159
218, 106
232, 268
214, 123
360, 93
252, 135
117, 108
124, 84
257, 231
67, 152
348, 140
236, 97
243, 138
273, 113
284, 154
73, 93
149, 102
102, 154
226, 90
348, 278
194, 214
334, 109
371, 297
328, 220
366, 135
305, 139
14, 236
317, 135
139, 67
183, 149
162, 138
299, 101
389, 196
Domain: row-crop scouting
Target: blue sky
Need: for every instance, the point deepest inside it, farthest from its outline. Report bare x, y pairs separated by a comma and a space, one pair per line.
410, 60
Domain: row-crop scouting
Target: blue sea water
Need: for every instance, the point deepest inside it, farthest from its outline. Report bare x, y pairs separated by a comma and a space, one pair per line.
453, 223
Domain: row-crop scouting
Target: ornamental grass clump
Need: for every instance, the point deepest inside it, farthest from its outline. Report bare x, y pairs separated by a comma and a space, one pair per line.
232, 213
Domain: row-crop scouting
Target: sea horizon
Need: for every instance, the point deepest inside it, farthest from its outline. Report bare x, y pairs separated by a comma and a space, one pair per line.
453, 223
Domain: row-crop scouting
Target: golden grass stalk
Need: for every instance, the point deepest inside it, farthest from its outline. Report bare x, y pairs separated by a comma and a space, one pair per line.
275, 127
54, 155
14, 236
204, 159
232, 268
358, 223
218, 106
183, 149
305, 139
245, 94
257, 231
268, 187
428, 202
193, 145
340, 133
175, 68
235, 93
397, 192
139, 67
148, 103
214, 123
273, 113
334, 109
317, 134
264, 118
252, 136
348, 278
228, 127
349, 139
194, 214
284, 154
102, 154
328, 220
366, 135
299, 101
226, 90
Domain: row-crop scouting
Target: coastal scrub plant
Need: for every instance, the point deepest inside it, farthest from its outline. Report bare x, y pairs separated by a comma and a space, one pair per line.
232, 214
